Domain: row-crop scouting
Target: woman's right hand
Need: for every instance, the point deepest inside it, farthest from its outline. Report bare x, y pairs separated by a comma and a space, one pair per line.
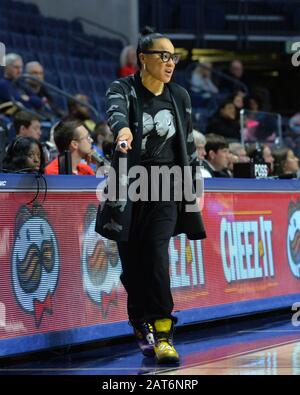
124, 135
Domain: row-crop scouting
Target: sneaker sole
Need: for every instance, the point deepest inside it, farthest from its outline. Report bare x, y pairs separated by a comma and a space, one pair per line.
148, 353
166, 360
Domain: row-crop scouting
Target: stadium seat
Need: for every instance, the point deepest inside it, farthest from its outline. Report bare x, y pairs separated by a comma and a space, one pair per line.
19, 41
91, 68
68, 83
52, 78
62, 64
6, 39
84, 85
48, 45
33, 42
77, 65
47, 61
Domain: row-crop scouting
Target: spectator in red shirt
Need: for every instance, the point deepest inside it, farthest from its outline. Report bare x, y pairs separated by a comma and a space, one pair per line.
128, 62
72, 136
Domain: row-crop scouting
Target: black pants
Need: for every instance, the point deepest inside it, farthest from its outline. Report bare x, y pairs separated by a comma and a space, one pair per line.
145, 260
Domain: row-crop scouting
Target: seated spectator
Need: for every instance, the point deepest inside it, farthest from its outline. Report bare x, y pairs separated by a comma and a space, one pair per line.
201, 81
217, 156
15, 92
261, 151
35, 69
24, 155
3, 140
224, 123
128, 62
101, 134
27, 124
253, 103
238, 101
292, 139
236, 72
72, 136
238, 150
286, 164
232, 159
80, 113
200, 142
103, 140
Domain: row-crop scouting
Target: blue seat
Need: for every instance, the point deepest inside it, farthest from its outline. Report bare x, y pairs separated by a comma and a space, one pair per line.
48, 45
27, 56
62, 64
100, 104
60, 101
19, 41
33, 42
35, 23
6, 39
84, 85
47, 61
62, 46
91, 68
99, 86
108, 70
3, 23
77, 65
68, 83
53, 79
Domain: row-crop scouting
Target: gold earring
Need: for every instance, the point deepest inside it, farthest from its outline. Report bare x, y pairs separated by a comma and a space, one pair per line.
144, 65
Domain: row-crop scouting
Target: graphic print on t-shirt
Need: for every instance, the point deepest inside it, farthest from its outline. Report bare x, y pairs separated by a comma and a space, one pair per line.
157, 131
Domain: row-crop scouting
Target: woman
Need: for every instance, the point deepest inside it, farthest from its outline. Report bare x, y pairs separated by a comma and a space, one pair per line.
286, 164
24, 155
153, 116
224, 123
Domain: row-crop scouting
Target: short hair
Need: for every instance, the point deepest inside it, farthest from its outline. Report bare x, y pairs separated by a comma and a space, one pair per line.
225, 103
16, 155
10, 58
235, 148
215, 142
124, 54
30, 64
71, 103
24, 118
199, 138
64, 133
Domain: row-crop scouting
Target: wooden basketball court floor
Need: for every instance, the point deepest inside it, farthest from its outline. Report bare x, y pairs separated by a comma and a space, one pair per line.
264, 345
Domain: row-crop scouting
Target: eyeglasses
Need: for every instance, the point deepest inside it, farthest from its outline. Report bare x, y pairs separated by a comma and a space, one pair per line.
165, 56
87, 137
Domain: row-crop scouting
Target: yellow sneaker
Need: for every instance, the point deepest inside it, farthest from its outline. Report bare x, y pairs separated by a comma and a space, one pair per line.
163, 348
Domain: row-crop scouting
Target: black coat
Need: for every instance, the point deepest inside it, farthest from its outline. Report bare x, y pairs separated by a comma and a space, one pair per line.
125, 110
